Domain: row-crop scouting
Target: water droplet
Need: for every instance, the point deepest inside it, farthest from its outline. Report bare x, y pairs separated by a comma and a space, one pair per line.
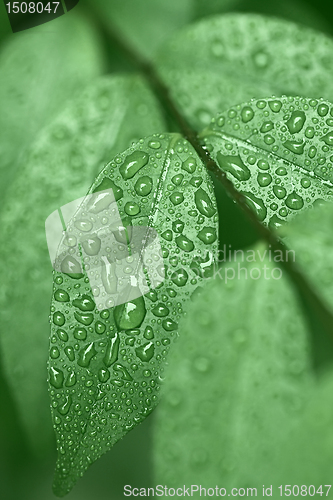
322, 109
196, 182
160, 310
294, 201
275, 106
296, 147
305, 182
177, 179
103, 375
204, 203
132, 208
177, 198
178, 226
269, 139
328, 139
58, 318
69, 351
309, 132
312, 152
169, 325
83, 225
71, 379
266, 127
99, 327
112, 348
102, 201
247, 114
133, 163
189, 165
54, 352
56, 377
264, 179
207, 235
80, 333
62, 335
167, 235
61, 295
92, 245
234, 165
145, 352
71, 267
124, 373
179, 277
85, 303
143, 185
131, 314
85, 318
279, 191
86, 354
149, 333
296, 121
257, 205
184, 243
263, 165
154, 144
64, 408
275, 222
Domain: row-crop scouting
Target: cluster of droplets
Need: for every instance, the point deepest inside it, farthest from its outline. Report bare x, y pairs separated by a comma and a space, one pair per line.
277, 152
106, 366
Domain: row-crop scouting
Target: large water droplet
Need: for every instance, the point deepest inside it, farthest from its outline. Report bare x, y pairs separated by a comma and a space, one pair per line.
177, 198
85, 318
102, 201
279, 192
92, 245
83, 225
177, 179
108, 275
103, 375
178, 226
71, 267
169, 325
295, 146
160, 310
296, 121
71, 379
207, 235
85, 303
112, 348
86, 354
143, 185
180, 277
322, 109
234, 165
69, 351
131, 314
132, 208
62, 335
196, 182
247, 114
145, 352
266, 127
204, 203
257, 205
61, 295
58, 318
80, 333
149, 333
184, 243
328, 139
189, 165
133, 163
64, 408
264, 179
275, 106
294, 201
56, 377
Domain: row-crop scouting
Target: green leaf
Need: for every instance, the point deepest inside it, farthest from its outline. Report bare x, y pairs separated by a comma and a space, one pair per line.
311, 238
145, 24
40, 69
225, 60
238, 381
58, 168
111, 381
5, 28
277, 152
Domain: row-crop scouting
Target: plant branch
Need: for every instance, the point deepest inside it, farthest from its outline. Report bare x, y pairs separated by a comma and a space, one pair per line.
308, 295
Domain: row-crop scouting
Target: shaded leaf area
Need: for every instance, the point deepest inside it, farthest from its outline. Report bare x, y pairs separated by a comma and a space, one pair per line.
40, 69
5, 28
277, 152
145, 24
56, 170
310, 235
105, 366
297, 11
225, 60
237, 383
